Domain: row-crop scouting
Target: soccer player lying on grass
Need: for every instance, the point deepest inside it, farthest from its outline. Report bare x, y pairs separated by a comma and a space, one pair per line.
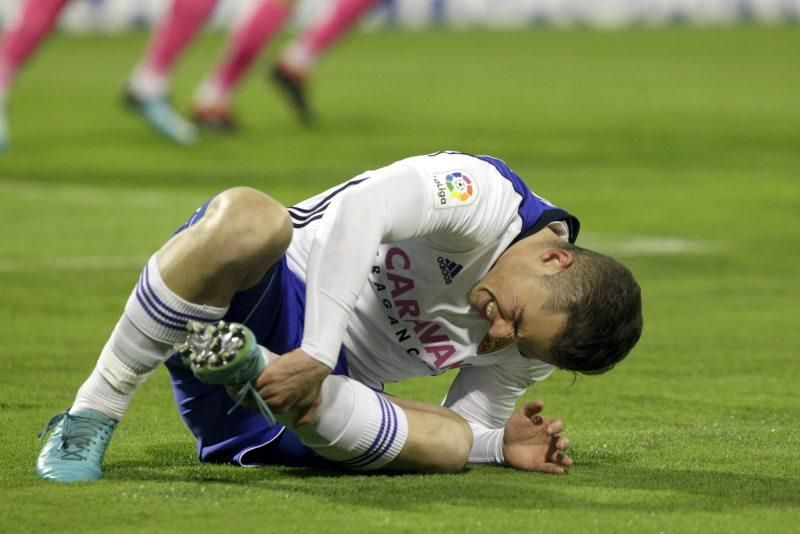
432, 263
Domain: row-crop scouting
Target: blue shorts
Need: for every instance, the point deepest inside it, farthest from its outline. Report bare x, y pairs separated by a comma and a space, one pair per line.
274, 311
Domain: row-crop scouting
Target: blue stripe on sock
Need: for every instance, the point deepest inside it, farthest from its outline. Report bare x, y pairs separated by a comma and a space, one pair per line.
152, 315
151, 308
385, 439
388, 439
381, 431
158, 307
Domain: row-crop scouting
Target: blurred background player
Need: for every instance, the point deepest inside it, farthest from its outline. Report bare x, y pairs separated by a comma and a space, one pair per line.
34, 20
212, 100
296, 63
149, 85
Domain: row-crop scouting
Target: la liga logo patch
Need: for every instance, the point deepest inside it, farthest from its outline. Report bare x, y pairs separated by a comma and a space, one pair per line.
460, 186
490, 345
454, 189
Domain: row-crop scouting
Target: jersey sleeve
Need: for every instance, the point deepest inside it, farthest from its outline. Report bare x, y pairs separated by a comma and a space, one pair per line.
399, 202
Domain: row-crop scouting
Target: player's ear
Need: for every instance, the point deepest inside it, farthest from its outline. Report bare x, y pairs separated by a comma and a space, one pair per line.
555, 259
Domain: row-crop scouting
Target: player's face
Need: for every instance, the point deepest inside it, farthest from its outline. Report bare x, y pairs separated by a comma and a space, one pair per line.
511, 298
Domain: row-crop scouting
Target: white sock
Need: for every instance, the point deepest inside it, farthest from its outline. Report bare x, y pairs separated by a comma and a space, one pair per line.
355, 426
210, 93
154, 320
298, 58
146, 83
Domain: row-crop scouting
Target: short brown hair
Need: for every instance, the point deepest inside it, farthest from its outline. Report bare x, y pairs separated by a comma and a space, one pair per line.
604, 307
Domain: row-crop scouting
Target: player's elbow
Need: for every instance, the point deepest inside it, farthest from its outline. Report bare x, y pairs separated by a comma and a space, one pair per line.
455, 446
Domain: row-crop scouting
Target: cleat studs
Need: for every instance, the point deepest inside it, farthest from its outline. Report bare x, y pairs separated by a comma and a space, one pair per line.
195, 327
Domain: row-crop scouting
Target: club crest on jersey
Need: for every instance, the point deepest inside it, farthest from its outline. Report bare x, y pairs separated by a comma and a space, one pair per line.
454, 189
490, 345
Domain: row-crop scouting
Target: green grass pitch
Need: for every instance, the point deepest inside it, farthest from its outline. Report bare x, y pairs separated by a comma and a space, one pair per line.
678, 149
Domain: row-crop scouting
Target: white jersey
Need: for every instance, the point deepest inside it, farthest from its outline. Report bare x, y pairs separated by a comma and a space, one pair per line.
389, 259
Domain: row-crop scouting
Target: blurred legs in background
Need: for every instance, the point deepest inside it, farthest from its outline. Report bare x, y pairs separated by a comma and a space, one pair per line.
258, 26
23, 36
147, 89
298, 60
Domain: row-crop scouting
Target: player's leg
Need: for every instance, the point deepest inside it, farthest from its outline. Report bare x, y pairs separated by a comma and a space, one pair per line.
295, 65
361, 429
353, 426
439, 440
254, 29
148, 86
226, 248
34, 20
429, 439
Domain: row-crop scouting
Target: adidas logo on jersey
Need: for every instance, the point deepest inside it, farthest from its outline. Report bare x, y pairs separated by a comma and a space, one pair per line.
450, 269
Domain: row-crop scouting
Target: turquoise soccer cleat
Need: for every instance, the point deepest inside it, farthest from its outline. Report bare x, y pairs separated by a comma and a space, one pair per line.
161, 115
74, 452
227, 354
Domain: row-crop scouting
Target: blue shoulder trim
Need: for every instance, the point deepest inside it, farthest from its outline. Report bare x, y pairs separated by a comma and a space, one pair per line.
536, 213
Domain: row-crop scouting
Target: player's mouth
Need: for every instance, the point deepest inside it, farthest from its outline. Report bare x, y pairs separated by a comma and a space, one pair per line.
486, 307
488, 311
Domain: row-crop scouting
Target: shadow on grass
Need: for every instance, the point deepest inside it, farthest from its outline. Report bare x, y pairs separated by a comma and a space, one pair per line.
607, 487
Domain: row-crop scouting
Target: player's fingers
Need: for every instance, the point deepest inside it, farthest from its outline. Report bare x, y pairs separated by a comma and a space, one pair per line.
562, 443
551, 468
263, 378
264, 392
557, 456
277, 402
555, 426
532, 410
561, 459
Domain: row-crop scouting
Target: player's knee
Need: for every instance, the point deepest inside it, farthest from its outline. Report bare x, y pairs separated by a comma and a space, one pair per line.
249, 226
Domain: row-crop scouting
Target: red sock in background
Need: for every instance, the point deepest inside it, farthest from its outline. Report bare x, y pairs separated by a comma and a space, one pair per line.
302, 54
22, 37
175, 31
247, 41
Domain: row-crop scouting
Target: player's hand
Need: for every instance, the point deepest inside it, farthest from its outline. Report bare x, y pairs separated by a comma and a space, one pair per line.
292, 383
533, 443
